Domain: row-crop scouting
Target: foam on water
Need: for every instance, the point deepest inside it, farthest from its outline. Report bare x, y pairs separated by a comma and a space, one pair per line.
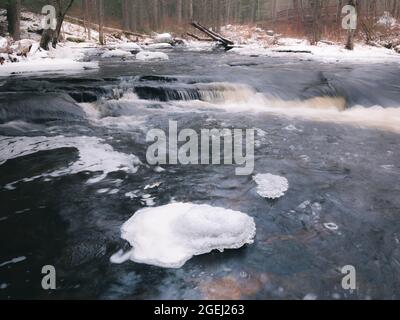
170, 235
94, 155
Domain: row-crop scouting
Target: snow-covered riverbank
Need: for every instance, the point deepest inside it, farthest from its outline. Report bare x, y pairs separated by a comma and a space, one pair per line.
26, 57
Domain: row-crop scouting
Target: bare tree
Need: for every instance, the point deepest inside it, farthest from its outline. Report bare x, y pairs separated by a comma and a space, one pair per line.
316, 6
53, 36
88, 19
179, 9
351, 32
14, 18
100, 18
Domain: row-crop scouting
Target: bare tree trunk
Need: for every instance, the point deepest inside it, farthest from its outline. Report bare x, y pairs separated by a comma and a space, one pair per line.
316, 6
339, 11
14, 18
190, 10
88, 19
351, 32
179, 12
53, 36
125, 14
100, 12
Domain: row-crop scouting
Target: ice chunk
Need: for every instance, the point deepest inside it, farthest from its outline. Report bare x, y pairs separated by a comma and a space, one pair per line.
116, 53
270, 186
151, 56
170, 235
129, 46
164, 38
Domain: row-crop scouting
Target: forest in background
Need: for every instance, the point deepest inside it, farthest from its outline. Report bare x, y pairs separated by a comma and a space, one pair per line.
316, 19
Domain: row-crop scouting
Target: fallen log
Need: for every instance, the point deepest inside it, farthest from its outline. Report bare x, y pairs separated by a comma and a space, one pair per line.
75, 39
198, 38
106, 29
228, 44
292, 51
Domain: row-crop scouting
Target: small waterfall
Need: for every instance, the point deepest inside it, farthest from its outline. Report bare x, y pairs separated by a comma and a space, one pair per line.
208, 92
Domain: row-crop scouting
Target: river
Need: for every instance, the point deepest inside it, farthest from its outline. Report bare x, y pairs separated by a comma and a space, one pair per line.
333, 130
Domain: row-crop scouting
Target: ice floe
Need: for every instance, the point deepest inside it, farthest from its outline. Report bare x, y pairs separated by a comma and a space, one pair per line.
170, 235
94, 155
270, 186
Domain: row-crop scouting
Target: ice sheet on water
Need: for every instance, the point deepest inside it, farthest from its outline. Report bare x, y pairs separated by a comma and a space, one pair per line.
170, 235
270, 186
94, 154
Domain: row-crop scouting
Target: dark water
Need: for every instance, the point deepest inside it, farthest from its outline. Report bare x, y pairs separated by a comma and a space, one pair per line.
339, 173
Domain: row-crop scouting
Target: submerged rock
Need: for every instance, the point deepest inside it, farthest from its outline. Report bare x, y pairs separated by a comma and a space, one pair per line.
40, 107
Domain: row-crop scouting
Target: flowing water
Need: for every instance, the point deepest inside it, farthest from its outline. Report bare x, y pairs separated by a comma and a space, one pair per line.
73, 170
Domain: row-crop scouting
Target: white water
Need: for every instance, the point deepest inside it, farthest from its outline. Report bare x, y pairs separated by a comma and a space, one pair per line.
242, 98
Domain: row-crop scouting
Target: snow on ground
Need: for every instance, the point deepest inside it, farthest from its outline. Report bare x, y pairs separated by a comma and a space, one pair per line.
320, 52
94, 155
253, 41
45, 66
63, 60
170, 235
270, 186
151, 56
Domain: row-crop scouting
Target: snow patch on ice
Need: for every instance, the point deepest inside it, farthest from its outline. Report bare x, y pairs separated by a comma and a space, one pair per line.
151, 56
170, 235
270, 186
